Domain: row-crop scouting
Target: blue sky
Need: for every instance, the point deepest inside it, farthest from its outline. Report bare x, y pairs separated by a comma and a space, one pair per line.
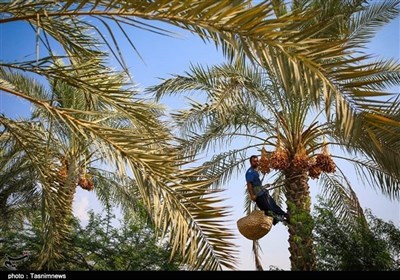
164, 56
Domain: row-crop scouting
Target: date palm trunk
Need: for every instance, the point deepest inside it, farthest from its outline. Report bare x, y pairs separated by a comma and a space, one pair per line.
56, 226
298, 200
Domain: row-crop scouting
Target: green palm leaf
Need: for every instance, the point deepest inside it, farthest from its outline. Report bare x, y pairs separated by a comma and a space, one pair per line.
222, 166
238, 27
18, 191
366, 22
28, 137
346, 205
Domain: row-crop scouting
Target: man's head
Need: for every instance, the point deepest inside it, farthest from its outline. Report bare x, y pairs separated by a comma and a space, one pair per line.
254, 161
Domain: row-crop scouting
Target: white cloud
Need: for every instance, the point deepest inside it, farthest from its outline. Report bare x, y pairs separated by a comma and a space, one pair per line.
81, 208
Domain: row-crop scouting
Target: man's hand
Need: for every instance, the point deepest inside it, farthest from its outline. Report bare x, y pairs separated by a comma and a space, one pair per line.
253, 197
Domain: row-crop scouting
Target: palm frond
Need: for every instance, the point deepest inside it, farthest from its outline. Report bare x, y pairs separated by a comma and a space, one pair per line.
380, 151
212, 117
97, 131
222, 166
19, 193
215, 136
365, 24
99, 84
177, 84
187, 210
280, 7
234, 82
238, 27
377, 177
338, 190
121, 191
29, 138
224, 85
121, 146
370, 80
184, 209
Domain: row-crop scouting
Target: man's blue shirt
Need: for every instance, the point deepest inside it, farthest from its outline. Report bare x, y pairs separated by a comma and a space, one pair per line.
253, 177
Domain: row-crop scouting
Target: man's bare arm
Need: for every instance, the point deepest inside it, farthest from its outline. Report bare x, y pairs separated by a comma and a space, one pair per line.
251, 193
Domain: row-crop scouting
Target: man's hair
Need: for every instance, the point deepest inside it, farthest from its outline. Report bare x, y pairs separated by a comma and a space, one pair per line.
253, 156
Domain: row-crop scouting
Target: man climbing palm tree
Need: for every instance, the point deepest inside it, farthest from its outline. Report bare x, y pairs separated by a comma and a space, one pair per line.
261, 196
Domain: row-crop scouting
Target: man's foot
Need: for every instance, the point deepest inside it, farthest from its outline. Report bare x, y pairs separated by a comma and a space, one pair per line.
286, 218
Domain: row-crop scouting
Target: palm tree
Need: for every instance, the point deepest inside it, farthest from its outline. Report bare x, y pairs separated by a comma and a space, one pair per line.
250, 104
60, 159
146, 152
354, 120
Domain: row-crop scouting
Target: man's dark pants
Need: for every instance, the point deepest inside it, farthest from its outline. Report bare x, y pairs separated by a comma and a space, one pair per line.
266, 203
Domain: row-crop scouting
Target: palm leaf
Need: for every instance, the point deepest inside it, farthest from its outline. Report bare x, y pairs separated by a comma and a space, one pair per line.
221, 167
103, 87
29, 138
377, 177
379, 157
19, 193
189, 222
366, 23
344, 200
235, 26
188, 211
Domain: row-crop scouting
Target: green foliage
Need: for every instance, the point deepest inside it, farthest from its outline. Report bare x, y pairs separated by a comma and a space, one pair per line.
97, 246
371, 246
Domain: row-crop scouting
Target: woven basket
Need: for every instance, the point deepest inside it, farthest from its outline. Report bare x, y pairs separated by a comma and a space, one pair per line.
255, 225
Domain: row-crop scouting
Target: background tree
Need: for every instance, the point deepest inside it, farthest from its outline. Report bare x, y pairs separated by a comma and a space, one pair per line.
365, 246
100, 245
